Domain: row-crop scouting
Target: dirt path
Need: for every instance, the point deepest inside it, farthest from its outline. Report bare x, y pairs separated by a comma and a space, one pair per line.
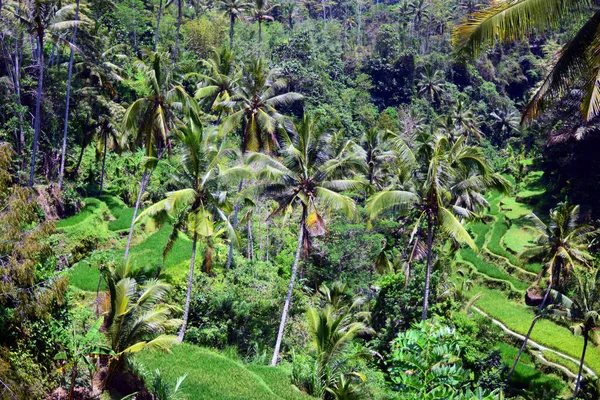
541, 348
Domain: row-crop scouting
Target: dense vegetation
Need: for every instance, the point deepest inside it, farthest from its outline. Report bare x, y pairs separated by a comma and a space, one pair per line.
290, 199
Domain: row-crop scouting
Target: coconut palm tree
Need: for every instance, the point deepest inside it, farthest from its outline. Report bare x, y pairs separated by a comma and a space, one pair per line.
137, 318
562, 246
107, 130
309, 178
465, 121
151, 118
377, 154
438, 180
40, 17
234, 9
506, 122
198, 207
418, 9
431, 84
217, 84
585, 308
261, 12
577, 62
255, 101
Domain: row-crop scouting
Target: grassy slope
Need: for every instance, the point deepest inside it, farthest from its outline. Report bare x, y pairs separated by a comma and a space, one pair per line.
214, 376
147, 254
515, 314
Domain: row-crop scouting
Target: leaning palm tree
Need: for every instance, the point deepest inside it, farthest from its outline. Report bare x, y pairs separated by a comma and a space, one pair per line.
309, 178
137, 318
234, 9
438, 183
562, 246
255, 102
585, 309
151, 118
577, 64
198, 207
40, 17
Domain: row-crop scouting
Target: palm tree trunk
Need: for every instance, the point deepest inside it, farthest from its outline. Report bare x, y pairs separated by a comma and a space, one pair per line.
63, 154
231, 24
235, 221
578, 382
428, 268
76, 170
143, 183
179, 15
103, 165
158, 15
38, 103
535, 319
259, 37
250, 239
288, 298
188, 297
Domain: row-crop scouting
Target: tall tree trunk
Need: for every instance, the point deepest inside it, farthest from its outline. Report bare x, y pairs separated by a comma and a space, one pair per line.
250, 239
231, 24
17, 79
288, 298
535, 319
158, 15
428, 270
38, 103
103, 164
188, 297
143, 184
578, 382
79, 159
179, 16
63, 154
236, 211
259, 38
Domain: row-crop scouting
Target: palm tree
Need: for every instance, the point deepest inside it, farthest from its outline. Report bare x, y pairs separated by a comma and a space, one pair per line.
577, 61
109, 134
586, 309
377, 154
217, 84
431, 86
331, 334
234, 9
255, 102
198, 204
137, 318
465, 121
419, 10
261, 12
309, 178
63, 154
562, 246
505, 122
152, 117
290, 11
438, 183
40, 17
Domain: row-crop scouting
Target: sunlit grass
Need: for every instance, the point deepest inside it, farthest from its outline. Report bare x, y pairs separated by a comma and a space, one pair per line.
214, 376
